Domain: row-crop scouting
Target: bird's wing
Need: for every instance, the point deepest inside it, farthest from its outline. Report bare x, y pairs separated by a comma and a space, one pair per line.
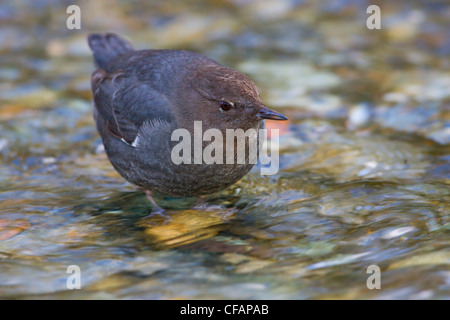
125, 103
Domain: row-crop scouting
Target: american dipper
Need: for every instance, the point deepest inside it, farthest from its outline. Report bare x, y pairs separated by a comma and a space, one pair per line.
142, 96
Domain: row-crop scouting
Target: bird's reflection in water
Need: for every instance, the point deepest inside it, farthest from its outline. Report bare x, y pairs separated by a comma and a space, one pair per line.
183, 220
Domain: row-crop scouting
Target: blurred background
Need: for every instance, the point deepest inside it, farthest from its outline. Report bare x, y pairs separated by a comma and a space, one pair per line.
365, 156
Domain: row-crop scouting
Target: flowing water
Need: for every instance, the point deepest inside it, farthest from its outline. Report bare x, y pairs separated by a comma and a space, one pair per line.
364, 158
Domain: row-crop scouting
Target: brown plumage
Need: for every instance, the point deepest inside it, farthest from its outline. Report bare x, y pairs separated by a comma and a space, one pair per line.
142, 96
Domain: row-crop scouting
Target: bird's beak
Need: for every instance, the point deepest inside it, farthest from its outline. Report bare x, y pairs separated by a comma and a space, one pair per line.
266, 113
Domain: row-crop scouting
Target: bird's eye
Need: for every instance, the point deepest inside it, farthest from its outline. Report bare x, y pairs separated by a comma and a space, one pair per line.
224, 105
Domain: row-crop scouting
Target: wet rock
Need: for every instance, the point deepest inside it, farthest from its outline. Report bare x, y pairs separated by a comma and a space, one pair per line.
291, 83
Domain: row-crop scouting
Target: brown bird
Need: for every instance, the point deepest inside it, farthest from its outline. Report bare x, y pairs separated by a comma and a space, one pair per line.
142, 96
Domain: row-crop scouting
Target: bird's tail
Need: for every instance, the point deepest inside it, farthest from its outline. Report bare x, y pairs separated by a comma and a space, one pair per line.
106, 47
